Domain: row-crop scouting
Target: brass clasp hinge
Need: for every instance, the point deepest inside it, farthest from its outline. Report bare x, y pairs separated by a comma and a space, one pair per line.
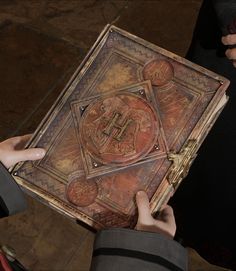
182, 162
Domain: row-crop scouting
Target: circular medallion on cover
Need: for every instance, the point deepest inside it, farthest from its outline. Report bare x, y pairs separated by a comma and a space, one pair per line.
81, 192
159, 72
119, 129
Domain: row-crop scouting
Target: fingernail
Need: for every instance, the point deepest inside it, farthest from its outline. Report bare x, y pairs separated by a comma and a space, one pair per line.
40, 153
140, 193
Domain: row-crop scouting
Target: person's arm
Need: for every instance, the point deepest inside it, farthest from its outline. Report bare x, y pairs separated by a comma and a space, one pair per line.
149, 247
11, 152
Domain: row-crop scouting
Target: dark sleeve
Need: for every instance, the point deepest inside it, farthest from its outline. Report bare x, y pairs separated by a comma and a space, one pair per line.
214, 20
12, 199
226, 15
129, 250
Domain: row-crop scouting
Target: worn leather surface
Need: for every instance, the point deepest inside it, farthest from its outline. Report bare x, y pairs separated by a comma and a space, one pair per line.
109, 135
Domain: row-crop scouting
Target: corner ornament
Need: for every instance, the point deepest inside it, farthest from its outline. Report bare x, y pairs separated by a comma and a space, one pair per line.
182, 162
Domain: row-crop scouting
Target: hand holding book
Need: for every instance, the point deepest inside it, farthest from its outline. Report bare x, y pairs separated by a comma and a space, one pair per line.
12, 151
230, 40
164, 223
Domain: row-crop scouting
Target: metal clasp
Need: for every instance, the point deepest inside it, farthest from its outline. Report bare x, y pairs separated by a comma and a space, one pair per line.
182, 162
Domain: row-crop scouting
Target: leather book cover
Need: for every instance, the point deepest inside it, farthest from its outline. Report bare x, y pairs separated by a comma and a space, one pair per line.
131, 118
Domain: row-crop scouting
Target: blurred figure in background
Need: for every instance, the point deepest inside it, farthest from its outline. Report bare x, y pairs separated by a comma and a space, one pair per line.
205, 204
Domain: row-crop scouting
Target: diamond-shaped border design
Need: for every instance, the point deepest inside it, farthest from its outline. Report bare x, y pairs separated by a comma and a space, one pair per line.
94, 168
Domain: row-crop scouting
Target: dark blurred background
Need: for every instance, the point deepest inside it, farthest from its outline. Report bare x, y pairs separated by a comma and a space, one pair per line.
41, 44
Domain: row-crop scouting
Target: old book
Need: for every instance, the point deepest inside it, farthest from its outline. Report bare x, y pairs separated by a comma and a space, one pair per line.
131, 118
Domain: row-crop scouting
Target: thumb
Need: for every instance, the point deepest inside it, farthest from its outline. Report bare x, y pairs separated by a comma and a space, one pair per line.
144, 212
28, 154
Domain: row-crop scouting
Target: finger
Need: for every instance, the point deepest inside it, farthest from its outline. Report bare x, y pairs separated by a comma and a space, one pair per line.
28, 154
229, 39
26, 138
19, 141
12, 141
166, 220
23, 140
231, 53
144, 212
166, 214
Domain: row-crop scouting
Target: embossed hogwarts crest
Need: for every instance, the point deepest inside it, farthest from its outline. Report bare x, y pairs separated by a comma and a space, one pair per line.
120, 129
